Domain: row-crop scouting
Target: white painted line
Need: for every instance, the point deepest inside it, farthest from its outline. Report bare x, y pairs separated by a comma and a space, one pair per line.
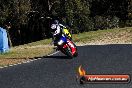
14, 64
19, 63
1, 67
39, 58
11, 65
53, 53
35, 59
5, 66
27, 61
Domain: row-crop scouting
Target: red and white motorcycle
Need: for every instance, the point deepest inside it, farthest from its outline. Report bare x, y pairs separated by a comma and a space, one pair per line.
67, 47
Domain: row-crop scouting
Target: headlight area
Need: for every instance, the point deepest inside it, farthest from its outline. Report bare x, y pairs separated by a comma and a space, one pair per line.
60, 42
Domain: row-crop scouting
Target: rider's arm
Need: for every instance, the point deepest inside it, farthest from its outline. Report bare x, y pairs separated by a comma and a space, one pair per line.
62, 25
58, 30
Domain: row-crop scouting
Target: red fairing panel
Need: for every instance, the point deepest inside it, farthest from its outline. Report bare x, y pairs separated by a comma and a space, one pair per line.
73, 48
65, 46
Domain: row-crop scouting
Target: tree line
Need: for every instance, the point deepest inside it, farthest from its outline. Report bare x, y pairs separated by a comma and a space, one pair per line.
29, 17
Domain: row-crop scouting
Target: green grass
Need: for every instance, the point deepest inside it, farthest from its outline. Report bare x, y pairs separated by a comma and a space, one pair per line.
102, 34
30, 50
41, 42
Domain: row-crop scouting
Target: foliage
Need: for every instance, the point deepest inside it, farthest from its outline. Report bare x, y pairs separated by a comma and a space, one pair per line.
14, 10
29, 16
77, 13
106, 22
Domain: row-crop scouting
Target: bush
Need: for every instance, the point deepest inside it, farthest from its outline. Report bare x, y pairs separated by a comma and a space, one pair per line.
106, 22
77, 12
129, 23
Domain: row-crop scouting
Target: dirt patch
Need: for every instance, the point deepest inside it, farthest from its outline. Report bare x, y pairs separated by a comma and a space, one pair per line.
9, 61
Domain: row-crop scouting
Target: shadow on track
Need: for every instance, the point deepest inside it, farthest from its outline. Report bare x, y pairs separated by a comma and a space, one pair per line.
57, 57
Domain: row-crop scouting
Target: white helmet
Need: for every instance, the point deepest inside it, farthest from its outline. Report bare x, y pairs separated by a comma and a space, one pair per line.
56, 22
53, 26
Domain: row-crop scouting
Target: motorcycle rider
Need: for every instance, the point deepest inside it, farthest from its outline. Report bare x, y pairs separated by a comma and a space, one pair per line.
58, 30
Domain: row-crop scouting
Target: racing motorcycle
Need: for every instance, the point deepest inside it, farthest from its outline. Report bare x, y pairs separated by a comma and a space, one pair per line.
67, 47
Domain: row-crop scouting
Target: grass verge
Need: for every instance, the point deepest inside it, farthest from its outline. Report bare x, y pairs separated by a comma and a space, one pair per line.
26, 52
109, 36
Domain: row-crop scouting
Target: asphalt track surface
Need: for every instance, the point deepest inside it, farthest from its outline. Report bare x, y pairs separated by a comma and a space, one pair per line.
58, 71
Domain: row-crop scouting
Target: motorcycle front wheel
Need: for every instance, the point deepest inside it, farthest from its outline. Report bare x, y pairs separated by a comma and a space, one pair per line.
68, 52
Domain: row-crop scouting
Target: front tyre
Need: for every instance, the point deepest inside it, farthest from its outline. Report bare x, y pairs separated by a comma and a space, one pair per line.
68, 52
76, 54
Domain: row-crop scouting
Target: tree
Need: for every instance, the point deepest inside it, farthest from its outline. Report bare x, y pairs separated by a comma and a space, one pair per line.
77, 13
14, 11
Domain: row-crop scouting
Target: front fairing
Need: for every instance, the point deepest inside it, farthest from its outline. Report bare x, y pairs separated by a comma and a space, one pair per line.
62, 41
